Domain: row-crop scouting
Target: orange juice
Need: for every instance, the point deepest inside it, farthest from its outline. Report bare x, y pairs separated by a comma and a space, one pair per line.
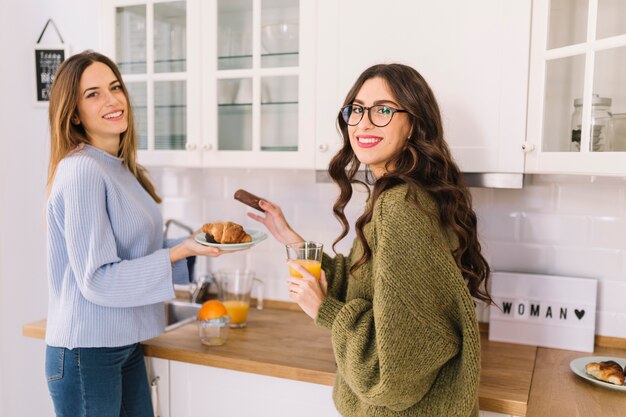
311, 265
237, 310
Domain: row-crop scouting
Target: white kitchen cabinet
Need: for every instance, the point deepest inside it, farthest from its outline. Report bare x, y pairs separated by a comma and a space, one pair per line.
220, 83
257, 70
201, 391
474, 55
153, 44
577, 52
159, 379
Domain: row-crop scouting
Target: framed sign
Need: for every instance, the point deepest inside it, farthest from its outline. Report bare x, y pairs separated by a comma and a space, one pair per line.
47, 61
48, 57
543, 310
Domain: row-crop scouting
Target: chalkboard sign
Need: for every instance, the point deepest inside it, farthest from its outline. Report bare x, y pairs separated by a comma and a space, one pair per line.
47, 60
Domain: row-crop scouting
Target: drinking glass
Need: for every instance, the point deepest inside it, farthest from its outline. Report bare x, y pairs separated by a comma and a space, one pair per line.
308, 255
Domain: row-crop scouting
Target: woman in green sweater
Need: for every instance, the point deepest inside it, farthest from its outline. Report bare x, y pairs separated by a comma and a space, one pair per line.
399, 306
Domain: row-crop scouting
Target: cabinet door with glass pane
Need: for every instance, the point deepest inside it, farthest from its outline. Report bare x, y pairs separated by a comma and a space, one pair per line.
258, 77
577, 96
149, 40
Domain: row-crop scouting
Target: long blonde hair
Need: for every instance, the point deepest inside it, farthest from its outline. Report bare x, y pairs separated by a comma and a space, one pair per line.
66, 137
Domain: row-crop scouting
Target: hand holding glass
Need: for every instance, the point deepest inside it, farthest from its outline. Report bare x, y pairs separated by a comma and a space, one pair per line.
308, 255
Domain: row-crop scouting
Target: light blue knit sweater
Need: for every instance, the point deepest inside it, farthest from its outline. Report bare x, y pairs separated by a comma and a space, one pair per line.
109, 269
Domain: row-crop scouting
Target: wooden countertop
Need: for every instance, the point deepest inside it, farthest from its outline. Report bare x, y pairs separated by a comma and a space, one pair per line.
287, 344
557, 392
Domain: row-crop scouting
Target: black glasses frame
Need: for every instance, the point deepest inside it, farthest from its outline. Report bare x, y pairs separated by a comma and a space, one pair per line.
346, 116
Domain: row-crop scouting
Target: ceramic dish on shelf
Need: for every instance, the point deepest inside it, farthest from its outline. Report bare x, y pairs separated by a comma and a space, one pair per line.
578, 367
256, 235
280, 38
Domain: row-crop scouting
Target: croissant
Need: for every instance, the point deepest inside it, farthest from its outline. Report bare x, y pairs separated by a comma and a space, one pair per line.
225, 232
609, 371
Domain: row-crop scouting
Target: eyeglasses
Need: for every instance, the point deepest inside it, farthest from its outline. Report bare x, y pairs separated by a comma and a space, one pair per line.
380, 115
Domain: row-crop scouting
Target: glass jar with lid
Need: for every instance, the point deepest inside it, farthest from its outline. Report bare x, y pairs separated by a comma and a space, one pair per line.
601, 126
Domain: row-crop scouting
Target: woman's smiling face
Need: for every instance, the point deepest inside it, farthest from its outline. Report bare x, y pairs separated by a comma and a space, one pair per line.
371, 144
102, 105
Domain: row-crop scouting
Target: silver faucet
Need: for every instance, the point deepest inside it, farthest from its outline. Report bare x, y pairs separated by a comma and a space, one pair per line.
200, 292
177, 223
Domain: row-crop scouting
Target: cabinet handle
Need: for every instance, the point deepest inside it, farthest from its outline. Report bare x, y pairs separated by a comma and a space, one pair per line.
154, 396
323, 147
528, 147
207, 147
191, 147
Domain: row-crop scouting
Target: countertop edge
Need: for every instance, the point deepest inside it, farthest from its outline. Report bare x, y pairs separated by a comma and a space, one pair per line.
239, 364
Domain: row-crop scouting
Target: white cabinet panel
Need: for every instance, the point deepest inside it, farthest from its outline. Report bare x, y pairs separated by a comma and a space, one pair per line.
473, 54
159, 379
202, 391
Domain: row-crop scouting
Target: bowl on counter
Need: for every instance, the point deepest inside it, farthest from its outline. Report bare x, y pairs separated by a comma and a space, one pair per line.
280, 37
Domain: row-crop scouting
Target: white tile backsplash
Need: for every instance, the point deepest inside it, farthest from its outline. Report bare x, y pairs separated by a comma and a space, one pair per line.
611, 295
554, 228
188, 210
498, 224
557, 224
586, 262
517, 257
611, 324
591, 199
608, 232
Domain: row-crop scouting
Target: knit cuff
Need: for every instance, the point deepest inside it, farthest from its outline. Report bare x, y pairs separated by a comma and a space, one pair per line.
329, 309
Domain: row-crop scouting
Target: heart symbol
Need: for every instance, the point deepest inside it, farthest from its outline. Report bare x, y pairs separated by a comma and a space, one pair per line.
579, 313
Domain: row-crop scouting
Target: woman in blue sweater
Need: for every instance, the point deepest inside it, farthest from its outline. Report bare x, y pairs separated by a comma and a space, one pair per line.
109, 269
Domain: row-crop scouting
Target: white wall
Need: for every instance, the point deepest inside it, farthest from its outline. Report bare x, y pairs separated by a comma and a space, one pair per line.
23, 164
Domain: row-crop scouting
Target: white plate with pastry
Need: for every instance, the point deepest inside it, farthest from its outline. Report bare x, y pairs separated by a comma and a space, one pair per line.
593, 372
257, 237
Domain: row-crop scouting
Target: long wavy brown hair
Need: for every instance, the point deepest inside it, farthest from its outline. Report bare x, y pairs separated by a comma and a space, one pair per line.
65, 137
425, 162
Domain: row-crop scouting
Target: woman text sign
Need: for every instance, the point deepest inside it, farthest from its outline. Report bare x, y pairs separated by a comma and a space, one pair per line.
543, 310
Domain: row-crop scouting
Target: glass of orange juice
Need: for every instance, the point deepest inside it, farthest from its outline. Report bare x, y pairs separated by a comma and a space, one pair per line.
308, 254
234, 288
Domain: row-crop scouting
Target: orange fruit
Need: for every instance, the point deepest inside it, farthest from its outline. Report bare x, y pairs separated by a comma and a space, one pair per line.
212, 309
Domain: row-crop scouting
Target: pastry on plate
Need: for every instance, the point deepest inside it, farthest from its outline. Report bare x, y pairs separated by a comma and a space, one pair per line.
225, 233
607, 371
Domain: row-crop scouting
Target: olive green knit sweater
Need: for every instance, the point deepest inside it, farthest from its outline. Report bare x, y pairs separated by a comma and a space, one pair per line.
404, 328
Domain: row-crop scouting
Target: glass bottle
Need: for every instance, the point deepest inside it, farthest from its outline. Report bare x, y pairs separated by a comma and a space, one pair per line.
601, 126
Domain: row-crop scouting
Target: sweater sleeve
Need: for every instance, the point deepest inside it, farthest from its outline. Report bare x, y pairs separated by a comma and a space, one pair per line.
388, 350
180, 271
102, 276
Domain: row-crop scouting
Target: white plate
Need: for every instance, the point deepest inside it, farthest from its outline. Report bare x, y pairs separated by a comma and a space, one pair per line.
256, 235
578, 367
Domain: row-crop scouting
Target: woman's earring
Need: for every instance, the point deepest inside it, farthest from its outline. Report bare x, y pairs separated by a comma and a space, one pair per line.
75, 120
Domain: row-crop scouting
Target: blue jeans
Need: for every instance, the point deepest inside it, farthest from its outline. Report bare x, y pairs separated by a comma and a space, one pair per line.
98, 382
